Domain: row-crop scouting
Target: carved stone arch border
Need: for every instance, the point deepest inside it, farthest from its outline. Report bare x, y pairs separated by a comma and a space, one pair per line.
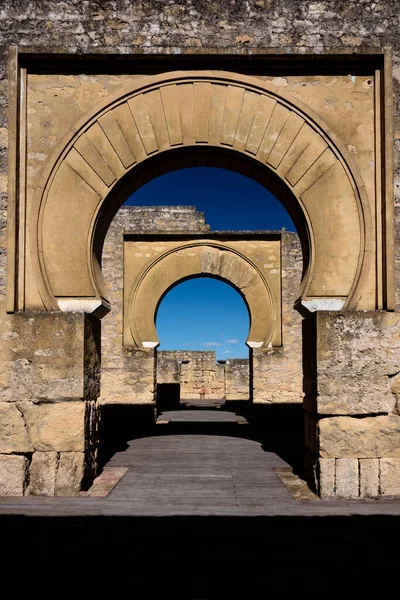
194, 109
144, 291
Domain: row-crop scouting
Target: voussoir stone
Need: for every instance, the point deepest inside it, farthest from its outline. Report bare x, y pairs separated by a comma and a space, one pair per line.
56, 426
13, 433
369, 437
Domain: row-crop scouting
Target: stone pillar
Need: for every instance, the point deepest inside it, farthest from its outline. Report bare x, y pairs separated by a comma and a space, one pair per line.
237, 379
48, 403
130, 377
351, 362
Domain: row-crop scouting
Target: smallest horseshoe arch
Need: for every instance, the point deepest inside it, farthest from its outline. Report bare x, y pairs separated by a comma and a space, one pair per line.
193, 260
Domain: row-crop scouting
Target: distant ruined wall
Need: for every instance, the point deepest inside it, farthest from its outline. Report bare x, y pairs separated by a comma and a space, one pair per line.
197, 372
200, 375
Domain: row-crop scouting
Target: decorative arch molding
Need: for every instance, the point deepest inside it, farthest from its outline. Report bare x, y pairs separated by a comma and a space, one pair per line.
189, 110
144, 291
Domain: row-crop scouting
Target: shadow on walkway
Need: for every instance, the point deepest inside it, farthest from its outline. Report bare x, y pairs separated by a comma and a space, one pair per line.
278, 428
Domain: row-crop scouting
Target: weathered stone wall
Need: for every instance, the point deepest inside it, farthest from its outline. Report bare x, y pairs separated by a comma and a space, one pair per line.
197, 372
237, 379
50, 383
352, 426
128, 375
200, 375
277, 372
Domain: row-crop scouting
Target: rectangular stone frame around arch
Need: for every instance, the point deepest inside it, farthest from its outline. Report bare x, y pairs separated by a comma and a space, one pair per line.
23, 62
337, 469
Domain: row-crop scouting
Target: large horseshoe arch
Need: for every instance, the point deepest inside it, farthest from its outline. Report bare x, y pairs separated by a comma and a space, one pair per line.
185, 111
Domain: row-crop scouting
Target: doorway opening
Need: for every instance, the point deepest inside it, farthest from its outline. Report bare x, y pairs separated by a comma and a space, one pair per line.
202, 324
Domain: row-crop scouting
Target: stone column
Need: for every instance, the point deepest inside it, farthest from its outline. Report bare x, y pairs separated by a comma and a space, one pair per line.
48, 408
351, 362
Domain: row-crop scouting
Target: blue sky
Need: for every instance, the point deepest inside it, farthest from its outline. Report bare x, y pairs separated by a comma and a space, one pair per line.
203, 313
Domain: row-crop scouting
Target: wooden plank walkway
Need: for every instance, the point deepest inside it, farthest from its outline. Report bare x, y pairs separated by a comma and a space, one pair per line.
196, 474
201, 516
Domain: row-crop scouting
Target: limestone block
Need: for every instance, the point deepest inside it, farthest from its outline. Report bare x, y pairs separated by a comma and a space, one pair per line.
56, 426
13, 434
370, 437
347, 344
277, 376
369, 477
43, 473
347, 478
49, 363
70, 473
327, 477
13, 472
390, 476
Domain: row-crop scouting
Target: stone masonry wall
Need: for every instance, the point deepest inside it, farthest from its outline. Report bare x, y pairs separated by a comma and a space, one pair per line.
237, 379
48, 408
201, 376
129, 374
197, 372
351, 386
277, 372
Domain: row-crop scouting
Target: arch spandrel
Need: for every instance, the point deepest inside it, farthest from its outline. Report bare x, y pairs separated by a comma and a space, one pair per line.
146, 281
203, 109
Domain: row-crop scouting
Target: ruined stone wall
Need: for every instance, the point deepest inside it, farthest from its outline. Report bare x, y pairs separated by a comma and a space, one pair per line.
128, 375
201, 376
277, 372
197, 372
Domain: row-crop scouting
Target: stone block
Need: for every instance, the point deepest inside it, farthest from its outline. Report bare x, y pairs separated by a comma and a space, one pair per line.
58, 427
47, 362
347, 344
390, 476
70, 473
370, 437
13, 433
13, 475
369, 477
43, 473
327, 477
347, 478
